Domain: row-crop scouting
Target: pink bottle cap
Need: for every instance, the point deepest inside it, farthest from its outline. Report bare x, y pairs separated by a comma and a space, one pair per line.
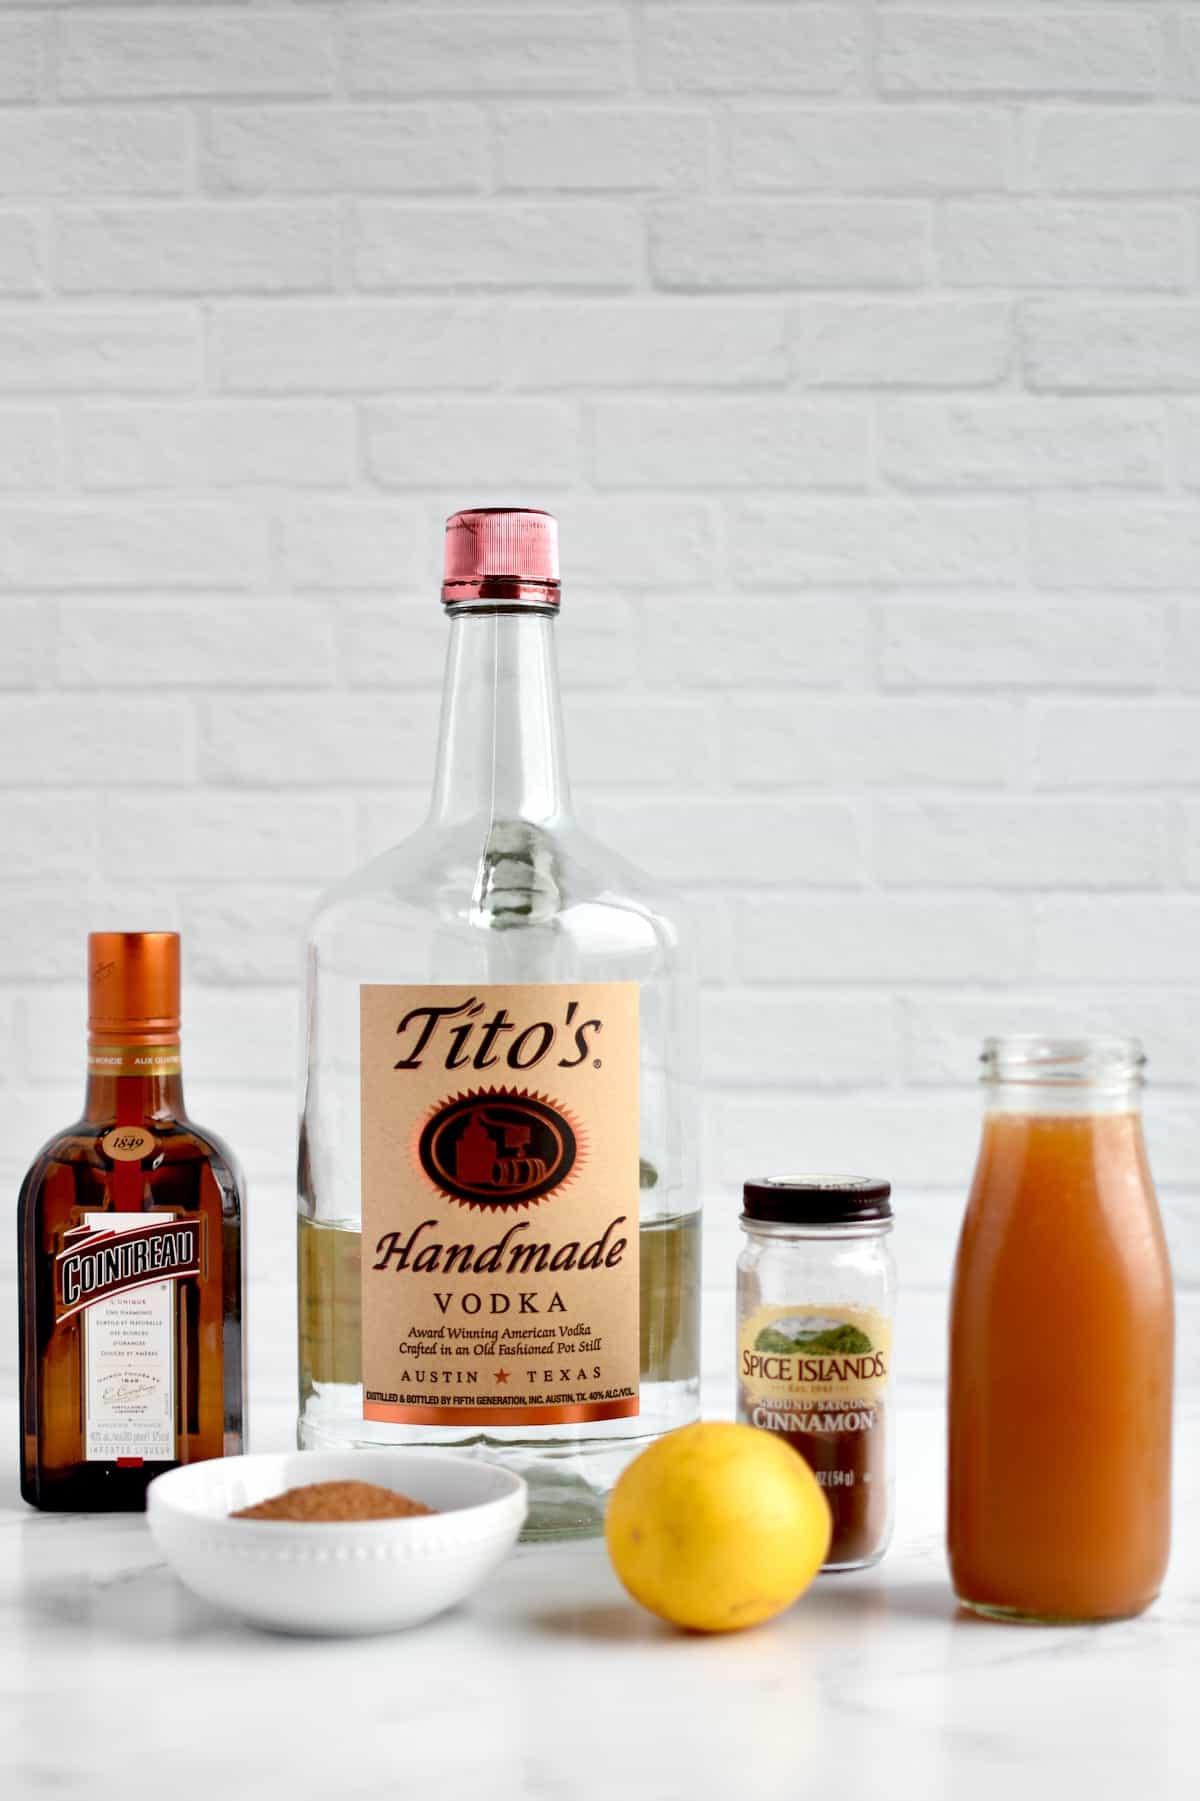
507, 554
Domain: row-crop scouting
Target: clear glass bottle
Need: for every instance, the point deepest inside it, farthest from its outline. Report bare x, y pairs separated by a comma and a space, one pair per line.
1061, 1343
496, 1122
816, 1296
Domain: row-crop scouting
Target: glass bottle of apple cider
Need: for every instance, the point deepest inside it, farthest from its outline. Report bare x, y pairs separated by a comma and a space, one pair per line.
1061, 1343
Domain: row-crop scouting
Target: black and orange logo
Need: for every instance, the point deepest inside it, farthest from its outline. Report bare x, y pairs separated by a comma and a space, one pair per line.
499, 1149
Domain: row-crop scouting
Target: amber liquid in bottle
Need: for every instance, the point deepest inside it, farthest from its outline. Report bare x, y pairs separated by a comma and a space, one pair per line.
124, 1375
1061, 1345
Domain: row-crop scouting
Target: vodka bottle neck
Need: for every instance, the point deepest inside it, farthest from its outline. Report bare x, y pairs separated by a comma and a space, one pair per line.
500, 750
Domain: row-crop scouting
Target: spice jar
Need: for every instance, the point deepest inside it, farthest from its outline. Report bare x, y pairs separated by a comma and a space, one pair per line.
815, 1300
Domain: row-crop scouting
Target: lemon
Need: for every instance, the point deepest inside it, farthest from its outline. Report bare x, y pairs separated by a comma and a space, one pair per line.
717, 1526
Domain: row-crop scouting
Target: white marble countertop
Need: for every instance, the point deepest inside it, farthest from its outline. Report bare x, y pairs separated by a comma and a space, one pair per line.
549, 1684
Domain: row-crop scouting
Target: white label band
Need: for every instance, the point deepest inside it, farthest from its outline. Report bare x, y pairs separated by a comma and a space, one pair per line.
129, 1365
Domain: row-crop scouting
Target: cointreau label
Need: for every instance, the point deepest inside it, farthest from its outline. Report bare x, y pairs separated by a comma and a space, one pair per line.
500, 1203
114, 1253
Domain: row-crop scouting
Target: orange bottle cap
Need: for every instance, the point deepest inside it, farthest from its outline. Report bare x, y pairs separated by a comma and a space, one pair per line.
133, 986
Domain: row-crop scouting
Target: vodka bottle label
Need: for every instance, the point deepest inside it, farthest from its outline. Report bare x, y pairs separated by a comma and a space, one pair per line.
500, 1203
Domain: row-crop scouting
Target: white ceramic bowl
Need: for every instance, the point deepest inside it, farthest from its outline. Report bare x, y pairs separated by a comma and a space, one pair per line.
358, 1576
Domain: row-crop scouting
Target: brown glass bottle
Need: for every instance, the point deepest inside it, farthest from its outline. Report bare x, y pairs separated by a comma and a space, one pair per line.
130, 1259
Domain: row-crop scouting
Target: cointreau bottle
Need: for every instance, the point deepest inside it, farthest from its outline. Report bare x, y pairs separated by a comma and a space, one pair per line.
130, 1259
499, 1228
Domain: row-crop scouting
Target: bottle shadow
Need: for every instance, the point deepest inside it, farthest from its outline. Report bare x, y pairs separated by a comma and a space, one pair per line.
929, 1600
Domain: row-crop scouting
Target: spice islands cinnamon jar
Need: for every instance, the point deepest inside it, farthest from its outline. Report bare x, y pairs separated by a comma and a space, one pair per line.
815, 1300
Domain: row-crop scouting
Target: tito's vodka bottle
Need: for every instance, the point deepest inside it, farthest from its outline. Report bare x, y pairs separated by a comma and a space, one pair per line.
499, 1235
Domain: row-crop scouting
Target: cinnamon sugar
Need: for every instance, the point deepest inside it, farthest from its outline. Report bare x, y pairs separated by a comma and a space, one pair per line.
323, 1502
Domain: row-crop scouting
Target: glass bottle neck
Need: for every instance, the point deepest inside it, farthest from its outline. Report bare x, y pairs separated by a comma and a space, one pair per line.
500, 749
1061, 1077
1047, 1101
128, 1099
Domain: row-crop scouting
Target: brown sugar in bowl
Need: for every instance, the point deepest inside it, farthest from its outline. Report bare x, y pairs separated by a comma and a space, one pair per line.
336, 1576
323, 1502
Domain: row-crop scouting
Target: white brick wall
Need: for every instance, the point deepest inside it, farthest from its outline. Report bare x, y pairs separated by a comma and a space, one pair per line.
858, 348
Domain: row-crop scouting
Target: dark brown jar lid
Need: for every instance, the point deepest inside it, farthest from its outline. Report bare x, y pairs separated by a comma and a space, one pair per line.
818, 1200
